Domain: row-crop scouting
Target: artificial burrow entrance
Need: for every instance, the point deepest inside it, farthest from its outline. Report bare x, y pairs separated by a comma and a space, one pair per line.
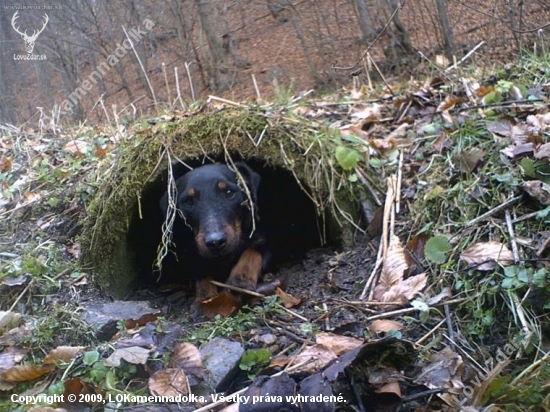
305, 199
290, 221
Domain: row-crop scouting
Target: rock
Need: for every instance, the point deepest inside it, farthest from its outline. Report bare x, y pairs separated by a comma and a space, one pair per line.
104, 317
220, 357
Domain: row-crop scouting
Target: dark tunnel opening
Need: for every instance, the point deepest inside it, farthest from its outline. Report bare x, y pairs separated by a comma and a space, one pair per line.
289, 220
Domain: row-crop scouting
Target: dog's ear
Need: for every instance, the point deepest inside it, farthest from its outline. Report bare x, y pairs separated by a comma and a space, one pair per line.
252, 179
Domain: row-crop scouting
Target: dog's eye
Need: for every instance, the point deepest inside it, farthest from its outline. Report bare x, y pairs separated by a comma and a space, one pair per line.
229, 193
189, 201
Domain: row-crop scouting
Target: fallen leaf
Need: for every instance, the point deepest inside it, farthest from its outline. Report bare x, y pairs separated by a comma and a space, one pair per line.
337, 343
76, 147
543, 151
288, 300
62, 354
169, 382
24, 373
186, 356
539, 190
485, 254
316, 356
224, 304
384, 326
134, 354
5, 164
394, 263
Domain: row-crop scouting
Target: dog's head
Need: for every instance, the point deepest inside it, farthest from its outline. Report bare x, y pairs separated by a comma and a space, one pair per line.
216, 207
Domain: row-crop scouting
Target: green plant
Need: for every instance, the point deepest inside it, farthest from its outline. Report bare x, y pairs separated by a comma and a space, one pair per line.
254, 360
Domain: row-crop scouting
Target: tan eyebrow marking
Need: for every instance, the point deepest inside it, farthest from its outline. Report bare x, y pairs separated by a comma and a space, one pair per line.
222, 185
191, 192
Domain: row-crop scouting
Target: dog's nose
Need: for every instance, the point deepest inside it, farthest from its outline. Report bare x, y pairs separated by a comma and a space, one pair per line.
215, 241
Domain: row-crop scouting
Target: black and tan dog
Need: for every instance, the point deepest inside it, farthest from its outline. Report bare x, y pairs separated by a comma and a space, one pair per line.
215, 233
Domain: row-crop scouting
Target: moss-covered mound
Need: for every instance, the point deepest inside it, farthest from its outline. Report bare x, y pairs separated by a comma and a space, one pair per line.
122, 226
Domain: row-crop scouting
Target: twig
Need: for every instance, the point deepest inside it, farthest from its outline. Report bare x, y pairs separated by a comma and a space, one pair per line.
237, 289
531, 367
449, 325
493, 211
420, 341
178, 97
21, 295
454, 66
362, 178
222, 100
187, 65
388, 206
512, 235
256, 88
399, 179
141, 65
166, 82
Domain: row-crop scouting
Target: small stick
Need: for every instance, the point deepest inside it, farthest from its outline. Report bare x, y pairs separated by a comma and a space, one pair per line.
178, 97
399, 179
222, 100
420, 341
141, 65
237, 289
187, 65
166, 82
493, 211
258, 94
454, 66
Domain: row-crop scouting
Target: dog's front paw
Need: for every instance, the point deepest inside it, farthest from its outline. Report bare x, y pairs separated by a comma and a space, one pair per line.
246, 272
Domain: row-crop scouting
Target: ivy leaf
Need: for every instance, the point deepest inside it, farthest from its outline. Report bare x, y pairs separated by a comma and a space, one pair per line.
347, 157
436, 249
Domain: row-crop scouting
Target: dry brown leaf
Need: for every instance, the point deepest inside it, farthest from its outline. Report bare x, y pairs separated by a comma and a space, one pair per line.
366, 111
543, 151
539, 121
24, 373
485, 254
5, 164
76, 147
384, 326
501, 127
133, 354
337, 343
224, 304
62, 354
10, 357
394, 263
484, 90
169, 382
279, 361
288, 300
390, 387
405, 290
539, 190
468, 161
318, 356
187, 357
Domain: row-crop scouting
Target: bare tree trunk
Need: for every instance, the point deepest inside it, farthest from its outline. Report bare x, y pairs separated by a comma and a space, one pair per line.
220, 77
365, 21
446, 31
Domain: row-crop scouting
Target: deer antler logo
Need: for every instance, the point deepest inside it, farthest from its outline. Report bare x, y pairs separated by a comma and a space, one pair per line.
29, 40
